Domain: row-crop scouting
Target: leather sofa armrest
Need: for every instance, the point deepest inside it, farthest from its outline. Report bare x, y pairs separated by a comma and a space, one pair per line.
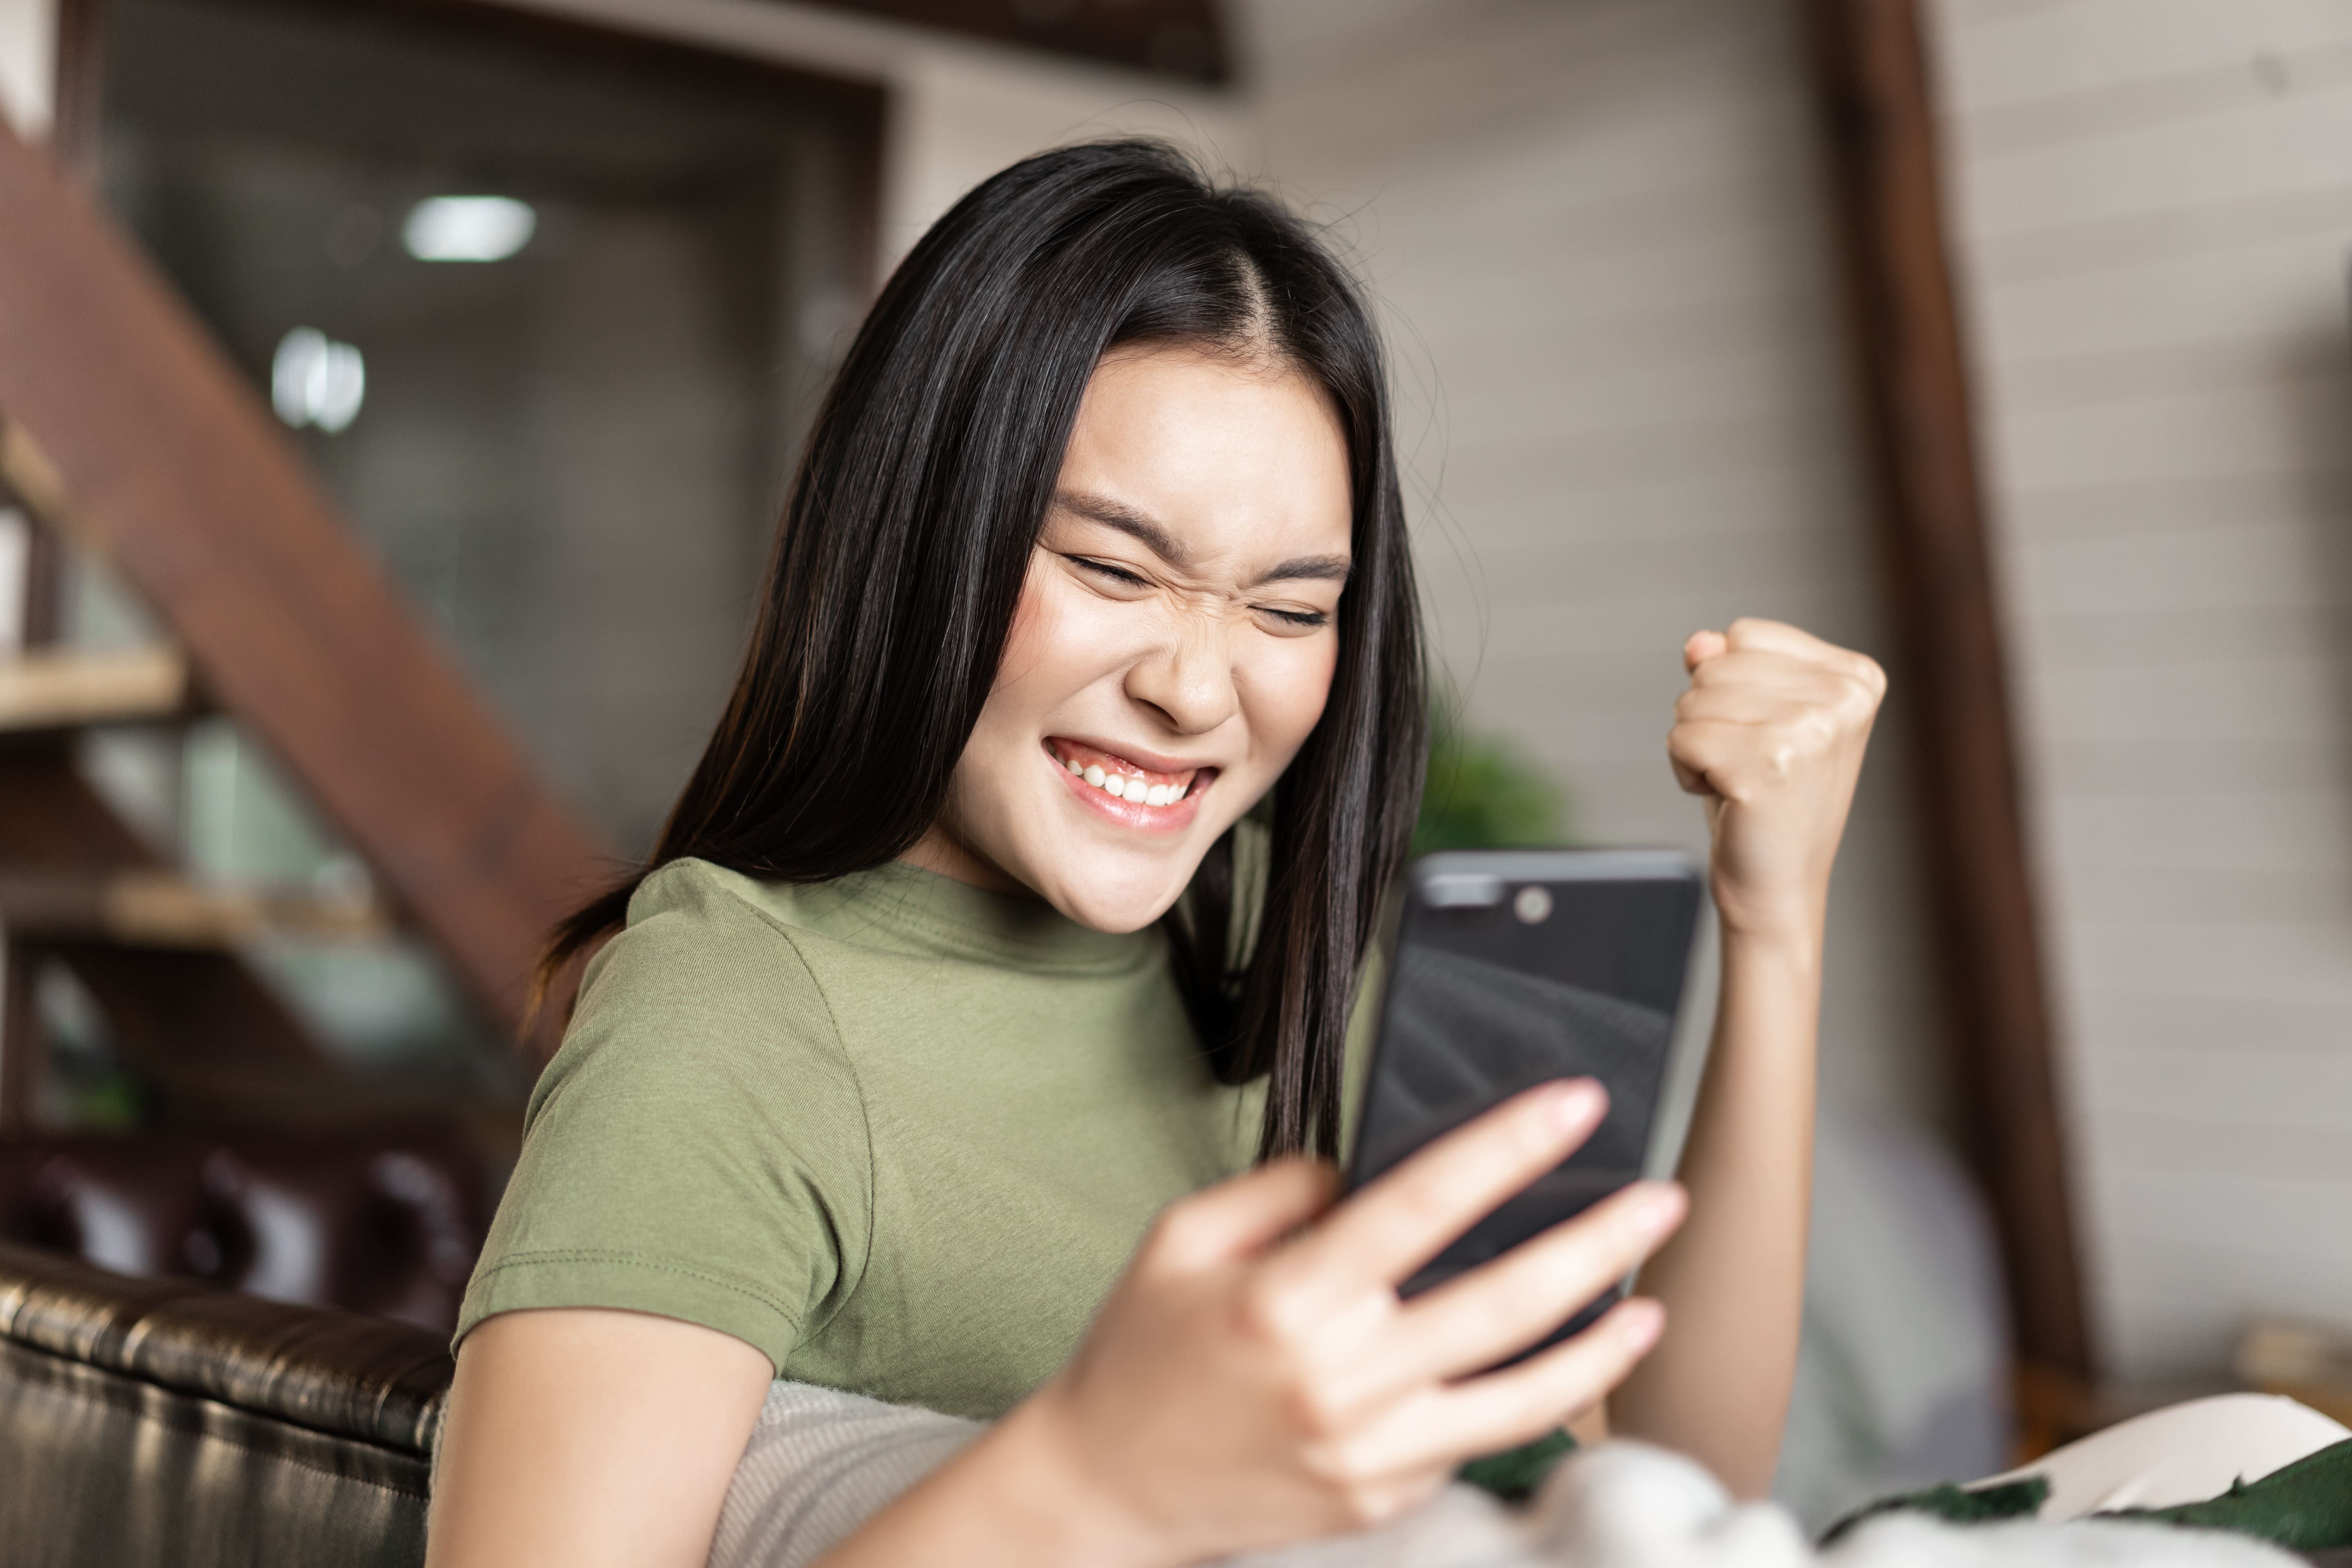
343, 1373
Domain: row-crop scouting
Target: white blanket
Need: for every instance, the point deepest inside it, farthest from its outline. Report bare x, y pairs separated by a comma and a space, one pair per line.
820, 1462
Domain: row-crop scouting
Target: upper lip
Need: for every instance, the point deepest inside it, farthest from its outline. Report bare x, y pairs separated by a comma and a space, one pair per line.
1150, 760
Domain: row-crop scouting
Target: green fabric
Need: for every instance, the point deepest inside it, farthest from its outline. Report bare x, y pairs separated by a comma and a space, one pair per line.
1960, 1505
2307, 1507
2304, 1507
1514, 1476
898, 1133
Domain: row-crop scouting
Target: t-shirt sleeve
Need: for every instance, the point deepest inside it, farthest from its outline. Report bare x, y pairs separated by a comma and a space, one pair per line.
698, 1148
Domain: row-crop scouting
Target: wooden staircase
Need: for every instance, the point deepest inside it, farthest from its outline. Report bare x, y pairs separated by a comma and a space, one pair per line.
127, 435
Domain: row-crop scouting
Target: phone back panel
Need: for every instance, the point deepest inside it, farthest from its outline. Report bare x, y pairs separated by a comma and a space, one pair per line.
1513, 968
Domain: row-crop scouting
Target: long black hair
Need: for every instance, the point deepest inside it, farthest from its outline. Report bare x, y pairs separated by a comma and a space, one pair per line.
908, 533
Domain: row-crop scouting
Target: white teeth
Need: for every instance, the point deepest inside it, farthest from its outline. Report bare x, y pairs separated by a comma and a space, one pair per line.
1120, 786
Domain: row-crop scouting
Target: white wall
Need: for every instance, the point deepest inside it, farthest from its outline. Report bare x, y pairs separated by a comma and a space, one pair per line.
2156, 211
959, 110
1596, 231
29, 69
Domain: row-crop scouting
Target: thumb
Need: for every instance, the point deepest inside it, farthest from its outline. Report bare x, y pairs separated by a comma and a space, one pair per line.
1246, 1215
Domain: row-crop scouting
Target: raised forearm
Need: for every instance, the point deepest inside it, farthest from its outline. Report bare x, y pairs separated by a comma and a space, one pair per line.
1771, 734
1733, 1279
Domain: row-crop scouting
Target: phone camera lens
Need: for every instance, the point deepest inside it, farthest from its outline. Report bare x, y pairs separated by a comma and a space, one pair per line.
1533, 906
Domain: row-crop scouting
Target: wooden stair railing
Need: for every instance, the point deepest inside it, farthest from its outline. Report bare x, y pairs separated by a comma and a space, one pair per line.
124, 428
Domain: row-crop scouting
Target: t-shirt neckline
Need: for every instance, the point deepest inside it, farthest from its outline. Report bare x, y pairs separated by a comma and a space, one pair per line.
899, 905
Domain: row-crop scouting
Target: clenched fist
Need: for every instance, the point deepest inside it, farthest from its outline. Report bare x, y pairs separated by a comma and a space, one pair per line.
1771, 733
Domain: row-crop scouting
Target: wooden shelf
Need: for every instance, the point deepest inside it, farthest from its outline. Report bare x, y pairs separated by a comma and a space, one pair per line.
57, 689
163, 908
2303, 1361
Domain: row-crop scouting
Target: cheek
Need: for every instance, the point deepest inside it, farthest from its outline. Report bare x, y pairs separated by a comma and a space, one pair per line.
1056, 646
1031, 635
1285, 686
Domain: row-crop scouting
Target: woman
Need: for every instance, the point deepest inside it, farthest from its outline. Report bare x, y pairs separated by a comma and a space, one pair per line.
1024, 888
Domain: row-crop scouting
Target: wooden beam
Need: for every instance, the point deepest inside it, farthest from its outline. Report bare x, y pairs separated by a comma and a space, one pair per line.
1877, 111
129, 429
1171, 38
80, 85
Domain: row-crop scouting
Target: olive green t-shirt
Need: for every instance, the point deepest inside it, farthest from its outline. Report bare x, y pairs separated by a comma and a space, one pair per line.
898, 1133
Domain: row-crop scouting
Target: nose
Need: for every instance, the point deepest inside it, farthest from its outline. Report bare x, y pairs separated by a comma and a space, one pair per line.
1190, 678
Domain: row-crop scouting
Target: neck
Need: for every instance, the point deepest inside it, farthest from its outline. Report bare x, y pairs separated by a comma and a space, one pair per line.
940, 850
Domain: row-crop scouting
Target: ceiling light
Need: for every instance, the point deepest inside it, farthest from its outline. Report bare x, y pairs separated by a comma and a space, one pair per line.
468, 228
314, 380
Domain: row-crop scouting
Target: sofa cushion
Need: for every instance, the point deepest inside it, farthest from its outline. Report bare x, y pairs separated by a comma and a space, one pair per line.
162, 1421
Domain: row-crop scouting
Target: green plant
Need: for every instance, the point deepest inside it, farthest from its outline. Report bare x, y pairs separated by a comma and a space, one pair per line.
1482, 792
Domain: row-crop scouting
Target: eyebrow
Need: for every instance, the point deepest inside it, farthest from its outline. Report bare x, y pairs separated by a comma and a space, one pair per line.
1156, 537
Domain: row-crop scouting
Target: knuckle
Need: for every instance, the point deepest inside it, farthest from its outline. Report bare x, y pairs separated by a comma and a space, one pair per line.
1353, 1492
1369, 1507
1314, 1408
1271, 1313
1176, 1229
1422, 1207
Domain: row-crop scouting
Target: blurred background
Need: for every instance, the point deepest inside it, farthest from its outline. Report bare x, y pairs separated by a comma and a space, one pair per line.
2006, 339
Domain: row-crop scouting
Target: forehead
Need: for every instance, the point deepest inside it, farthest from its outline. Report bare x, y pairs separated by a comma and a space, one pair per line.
1238, 458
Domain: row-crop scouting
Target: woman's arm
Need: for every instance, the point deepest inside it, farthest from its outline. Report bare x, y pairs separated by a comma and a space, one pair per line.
1771, 733
580, 1437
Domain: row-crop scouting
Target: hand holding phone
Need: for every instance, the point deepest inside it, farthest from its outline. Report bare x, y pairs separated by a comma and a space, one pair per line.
1256, 1353
1509, 968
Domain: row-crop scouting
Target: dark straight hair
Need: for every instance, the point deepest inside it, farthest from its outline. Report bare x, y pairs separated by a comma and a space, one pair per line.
908, 533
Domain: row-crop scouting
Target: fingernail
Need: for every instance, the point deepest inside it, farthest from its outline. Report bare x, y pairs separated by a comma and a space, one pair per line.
1641, 1321
1658, 1210
1578, 1103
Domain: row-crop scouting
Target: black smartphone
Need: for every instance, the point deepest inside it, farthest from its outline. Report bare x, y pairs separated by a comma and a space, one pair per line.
1508, 968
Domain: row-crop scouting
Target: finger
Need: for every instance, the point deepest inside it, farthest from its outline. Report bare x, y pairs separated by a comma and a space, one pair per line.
1520, 1403
1241, 1216
1746, 703
1517, 1404
1757, 667
1778, 636
1408, 1215
1493, 1311
1691, 780
1700, 646
1704, 752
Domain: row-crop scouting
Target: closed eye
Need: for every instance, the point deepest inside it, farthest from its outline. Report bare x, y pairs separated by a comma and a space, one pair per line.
1104, 568
1305, 620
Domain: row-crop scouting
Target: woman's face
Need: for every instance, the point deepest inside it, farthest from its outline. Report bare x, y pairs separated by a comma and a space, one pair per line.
1174, 642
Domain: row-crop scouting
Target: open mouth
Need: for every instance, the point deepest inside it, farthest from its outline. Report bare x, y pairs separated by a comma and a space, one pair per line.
1125, 787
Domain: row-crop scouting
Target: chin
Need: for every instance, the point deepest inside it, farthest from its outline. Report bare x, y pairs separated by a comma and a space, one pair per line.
1121, 907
